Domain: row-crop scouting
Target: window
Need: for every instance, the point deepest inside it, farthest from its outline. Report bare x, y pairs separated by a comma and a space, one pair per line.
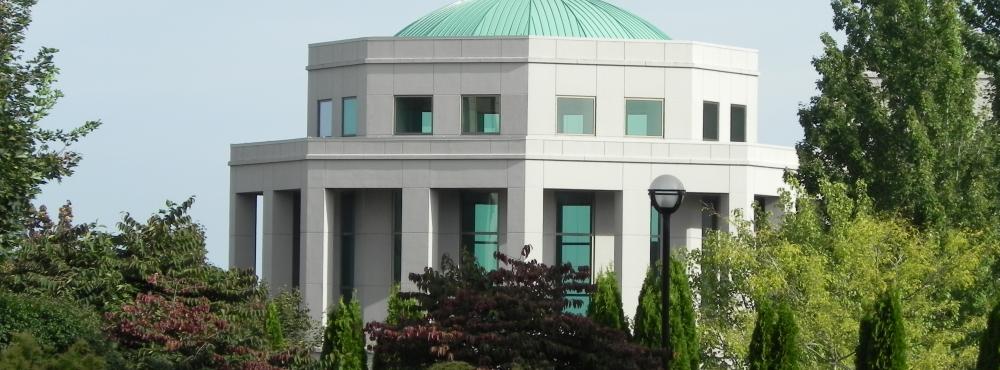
414, 115
397, 236
349, 117
710, 121
324, 118
654, 235
574, 240
643, 117
347, 244
737, 123
709, 214
480, 115
575, 115
480, 227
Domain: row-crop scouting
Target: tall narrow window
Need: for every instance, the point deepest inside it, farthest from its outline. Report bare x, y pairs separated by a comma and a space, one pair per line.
654, 235
575, 116
397, 236
414, 115
347, 244
738, 123
480, 115
709, 214
480, 227
349, 117
574, 240
324, 118
710, 121
644, 117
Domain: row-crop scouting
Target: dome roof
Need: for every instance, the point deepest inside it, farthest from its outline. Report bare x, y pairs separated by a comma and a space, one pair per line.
559, 18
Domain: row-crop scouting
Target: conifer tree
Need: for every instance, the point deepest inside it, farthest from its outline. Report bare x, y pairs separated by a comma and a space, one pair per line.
401, 309
774, 343
343, 339
683, 333
275, 337
606, 303
882, 339
989, 344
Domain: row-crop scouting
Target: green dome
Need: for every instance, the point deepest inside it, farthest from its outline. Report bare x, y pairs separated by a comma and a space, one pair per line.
559, 18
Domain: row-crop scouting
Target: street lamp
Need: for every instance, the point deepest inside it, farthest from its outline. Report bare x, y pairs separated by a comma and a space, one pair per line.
666, 194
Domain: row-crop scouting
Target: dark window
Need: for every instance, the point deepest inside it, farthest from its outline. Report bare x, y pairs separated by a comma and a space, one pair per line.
709, 214
643, 117
480, 115
710, 121
574, 239
480, 227
414, 115
324, 118
738, 123
347, 244
654, 235
575, 115
397, 236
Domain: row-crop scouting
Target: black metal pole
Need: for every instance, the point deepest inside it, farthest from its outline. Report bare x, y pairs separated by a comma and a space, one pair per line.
665, 287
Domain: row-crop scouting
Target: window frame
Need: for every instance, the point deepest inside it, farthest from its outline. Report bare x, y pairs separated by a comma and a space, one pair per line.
594, 112
718, 118
731, 121
343, 118
319, 117
499, 112
663, 118
395, 115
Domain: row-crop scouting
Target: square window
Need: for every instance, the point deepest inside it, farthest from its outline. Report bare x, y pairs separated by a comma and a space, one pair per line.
480, 115
644, 117
738, 123
575, 116
414, 115
324, 118
710, 121
349, 117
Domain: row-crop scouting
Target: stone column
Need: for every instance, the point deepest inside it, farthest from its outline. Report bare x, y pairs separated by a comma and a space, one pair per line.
278, 248
243, 231
418, 249
632, 248
314, 257
525, 211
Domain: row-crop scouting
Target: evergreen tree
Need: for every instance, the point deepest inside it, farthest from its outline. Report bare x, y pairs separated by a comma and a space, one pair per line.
343, 340
401, 309
882, 339
683, 333
606, 302
773, 345
273, 326
989, 344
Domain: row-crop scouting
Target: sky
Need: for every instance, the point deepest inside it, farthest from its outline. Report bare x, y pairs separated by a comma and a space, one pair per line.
176, 82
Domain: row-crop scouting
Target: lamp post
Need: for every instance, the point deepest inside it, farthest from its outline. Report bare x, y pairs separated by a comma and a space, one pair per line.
665, 193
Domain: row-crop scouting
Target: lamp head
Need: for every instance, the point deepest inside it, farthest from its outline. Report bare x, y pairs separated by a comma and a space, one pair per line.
666, 193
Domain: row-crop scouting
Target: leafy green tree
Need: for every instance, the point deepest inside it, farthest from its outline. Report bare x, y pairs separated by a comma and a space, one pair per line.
30, 156
606, 302
344, 339
896, 110
25, 353
774, 343
984, 42
273, 326
296, 326
882, 338
402, 310
989, 343
683, 333
828, 254
52, 322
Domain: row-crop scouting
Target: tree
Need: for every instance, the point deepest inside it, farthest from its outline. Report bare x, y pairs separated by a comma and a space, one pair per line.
30, 156
882, 338
606, 303
25, 353
401, 310
344, 340
774, 344
512, 315
984, 42
648, 323
828, 254
989, 343
896, 111
683, 332
273, 326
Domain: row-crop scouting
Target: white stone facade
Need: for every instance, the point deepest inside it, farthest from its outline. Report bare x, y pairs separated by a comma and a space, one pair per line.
528, 163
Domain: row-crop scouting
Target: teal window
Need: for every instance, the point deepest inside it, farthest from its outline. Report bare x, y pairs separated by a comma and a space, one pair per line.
574, 240
480, 227
349, 117
710, 121
644, 117
414, 115
480, 115
347, 244
654, 235
737, 123
324, 118
397, 236
575, 115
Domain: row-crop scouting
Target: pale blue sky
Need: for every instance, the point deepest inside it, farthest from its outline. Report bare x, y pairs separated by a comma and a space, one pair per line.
175, 82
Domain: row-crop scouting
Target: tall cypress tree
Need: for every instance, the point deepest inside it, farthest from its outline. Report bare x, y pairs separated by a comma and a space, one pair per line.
683, 333
606, 303
343, 339
882, 339
774, 345
989, 344
275, 336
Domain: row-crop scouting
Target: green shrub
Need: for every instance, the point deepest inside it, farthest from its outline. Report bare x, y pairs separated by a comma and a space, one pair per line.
273, 326
606, 302
26, 353
451, 365
296, 326
882, 339
52, 322
683, 333
989, 344
402, 309
774, 344
344, 340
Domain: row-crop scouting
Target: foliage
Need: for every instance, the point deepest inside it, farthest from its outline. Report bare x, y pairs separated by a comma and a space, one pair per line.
881, 337
297, 328
896, 110
984, 42
26, 353
451, 365
774, 343
402, 310
989, 343
514, 314
30, 156
606, 303
344, 340
683, 333
273, 326
51, 322
830, 255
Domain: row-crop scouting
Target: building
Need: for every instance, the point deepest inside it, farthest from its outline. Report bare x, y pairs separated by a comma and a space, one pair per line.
491, 124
